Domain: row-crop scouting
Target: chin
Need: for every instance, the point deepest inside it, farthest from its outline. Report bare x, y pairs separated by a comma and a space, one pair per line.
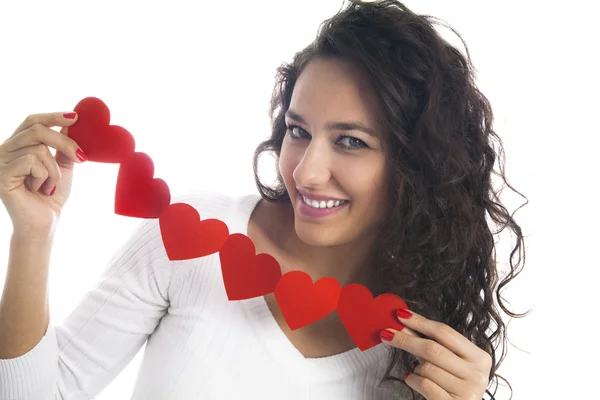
315, 240
318, 236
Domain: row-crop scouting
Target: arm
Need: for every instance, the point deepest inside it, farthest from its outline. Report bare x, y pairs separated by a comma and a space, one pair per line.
24, 311
105, 331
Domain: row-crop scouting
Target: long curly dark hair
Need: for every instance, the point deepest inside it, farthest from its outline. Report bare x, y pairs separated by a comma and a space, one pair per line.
436, 248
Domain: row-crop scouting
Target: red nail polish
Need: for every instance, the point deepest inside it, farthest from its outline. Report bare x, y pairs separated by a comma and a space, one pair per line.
70, 115
81, 155
402, 313
406, 374
52, 192
386, 335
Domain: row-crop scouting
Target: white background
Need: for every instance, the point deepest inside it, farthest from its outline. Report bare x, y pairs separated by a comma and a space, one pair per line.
192, 83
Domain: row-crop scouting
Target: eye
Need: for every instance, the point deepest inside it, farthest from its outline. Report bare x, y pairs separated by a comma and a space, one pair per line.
295, 132
351, 143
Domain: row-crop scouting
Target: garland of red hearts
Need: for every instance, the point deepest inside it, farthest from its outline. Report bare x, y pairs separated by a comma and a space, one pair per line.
245, 273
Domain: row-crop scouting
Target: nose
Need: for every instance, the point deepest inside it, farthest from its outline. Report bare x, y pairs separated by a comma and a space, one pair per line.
314, 169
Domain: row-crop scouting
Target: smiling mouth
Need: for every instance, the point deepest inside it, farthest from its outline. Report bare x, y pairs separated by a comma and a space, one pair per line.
323, 204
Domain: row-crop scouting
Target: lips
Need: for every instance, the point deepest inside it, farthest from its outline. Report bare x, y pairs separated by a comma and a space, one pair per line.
333, 203
318, 197
321, 198
308, 211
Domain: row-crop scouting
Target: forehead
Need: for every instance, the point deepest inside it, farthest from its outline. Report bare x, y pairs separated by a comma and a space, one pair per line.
335, 90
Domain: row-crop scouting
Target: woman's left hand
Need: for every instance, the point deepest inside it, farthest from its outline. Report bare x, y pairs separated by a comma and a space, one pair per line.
451, 367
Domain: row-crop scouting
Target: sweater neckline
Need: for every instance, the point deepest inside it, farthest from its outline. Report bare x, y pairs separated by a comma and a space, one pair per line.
277, 343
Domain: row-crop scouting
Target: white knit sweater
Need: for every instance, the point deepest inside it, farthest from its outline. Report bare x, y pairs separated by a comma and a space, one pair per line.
199, 344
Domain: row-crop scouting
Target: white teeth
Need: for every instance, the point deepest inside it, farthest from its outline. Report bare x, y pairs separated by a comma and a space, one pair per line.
323, 203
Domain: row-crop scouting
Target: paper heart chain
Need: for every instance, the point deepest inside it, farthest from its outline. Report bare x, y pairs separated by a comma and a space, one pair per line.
245, 274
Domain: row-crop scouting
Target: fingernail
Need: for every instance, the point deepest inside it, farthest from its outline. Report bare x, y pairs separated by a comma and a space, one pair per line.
81, 155
70, 115
52, 192
386, 335
406, 374
402, 313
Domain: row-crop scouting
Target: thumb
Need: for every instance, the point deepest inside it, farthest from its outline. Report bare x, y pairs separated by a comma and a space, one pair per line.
62, 160
63, 187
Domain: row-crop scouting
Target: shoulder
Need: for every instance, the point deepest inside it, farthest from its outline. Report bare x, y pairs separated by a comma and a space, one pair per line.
208, 204
233, 210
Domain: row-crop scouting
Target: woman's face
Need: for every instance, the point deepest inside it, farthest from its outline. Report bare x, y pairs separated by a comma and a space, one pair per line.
324, 155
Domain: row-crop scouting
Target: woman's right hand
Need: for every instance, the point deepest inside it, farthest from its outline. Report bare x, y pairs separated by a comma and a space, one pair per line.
27, 166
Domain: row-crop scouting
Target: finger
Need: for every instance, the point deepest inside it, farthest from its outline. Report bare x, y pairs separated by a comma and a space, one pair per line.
62, 159
429, 389
37, 134
15, 172
450, 383
43, 154
48, 120
443, 334
413, 333
409, 331
427, 350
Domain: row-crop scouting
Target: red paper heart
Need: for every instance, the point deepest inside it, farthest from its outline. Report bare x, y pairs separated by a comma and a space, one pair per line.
100, 141
301, 302
186, 237
364, 317
138, 195
245, 273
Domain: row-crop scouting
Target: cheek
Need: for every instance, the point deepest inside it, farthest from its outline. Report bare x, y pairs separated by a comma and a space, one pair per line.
283, 158
365, 179
288, 159
367, 187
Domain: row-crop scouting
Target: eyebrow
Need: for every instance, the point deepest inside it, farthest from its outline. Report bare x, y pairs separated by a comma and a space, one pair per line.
345, 126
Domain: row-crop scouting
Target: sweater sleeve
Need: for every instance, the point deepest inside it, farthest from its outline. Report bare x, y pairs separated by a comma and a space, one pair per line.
77, 359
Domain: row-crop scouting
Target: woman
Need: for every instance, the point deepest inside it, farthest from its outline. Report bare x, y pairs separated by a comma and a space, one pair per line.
385, 155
